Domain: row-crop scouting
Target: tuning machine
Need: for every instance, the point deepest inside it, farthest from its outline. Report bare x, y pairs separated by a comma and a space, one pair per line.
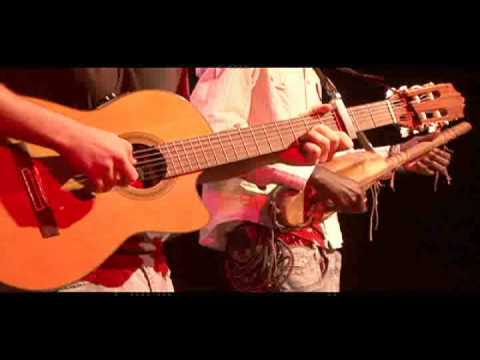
405, 132
432, 128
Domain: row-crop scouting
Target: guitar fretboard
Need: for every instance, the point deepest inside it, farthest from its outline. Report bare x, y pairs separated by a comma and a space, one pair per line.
200, 153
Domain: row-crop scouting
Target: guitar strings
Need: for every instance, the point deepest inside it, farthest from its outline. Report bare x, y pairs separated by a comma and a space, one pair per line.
154, 159
328, 119
196, 146
160, 160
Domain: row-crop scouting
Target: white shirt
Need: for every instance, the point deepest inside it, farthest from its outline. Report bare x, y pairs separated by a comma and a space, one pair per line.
241, 97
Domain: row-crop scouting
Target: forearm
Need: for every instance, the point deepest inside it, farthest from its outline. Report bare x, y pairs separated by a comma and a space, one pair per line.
24, 120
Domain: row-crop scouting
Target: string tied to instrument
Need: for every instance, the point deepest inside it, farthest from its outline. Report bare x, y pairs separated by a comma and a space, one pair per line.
446, 174
374, 214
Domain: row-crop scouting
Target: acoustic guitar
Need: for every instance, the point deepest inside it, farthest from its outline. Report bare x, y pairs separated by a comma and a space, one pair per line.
54, 230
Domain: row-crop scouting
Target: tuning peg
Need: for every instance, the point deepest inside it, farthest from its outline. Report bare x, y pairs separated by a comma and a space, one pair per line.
432, 128
390, 93
405, 132
443, 124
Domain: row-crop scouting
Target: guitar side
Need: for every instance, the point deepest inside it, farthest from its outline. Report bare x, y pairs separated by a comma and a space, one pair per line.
91, 229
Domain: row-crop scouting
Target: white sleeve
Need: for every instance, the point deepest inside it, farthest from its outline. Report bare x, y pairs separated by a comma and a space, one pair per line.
223, 96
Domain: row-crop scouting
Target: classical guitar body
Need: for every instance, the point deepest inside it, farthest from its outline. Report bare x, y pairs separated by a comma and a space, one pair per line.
91, 227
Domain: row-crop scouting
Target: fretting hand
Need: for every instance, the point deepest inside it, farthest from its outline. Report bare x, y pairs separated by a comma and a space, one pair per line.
435, 161
346, 195
319, 145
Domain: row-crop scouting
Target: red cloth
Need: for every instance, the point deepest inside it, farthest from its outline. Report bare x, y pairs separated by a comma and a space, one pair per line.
124, 263
312, 233
184, 88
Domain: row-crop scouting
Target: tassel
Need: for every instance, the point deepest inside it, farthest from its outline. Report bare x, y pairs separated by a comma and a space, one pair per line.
437, 179
374, 215
445, 174
392, 181
394, 150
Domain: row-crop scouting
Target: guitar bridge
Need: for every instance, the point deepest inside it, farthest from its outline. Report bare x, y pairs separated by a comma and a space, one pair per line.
37, 197
43, 211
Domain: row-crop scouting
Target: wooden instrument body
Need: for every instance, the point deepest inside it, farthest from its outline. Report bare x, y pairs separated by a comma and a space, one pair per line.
364, 167
91, 229
360, 166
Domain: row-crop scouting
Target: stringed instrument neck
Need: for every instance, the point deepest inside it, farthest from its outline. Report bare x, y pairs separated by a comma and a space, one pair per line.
232, 146
413, 110
367, 168
396, 161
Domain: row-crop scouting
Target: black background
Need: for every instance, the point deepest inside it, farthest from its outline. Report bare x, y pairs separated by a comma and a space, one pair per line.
427, 241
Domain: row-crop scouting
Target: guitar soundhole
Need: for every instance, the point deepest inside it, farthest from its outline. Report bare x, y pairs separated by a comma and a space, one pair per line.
150, 165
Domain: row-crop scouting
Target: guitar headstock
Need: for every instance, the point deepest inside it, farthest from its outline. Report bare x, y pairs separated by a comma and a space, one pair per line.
427, 108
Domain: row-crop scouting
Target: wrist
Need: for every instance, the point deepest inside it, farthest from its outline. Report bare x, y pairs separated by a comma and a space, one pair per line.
395, 149
320, 175
70, 136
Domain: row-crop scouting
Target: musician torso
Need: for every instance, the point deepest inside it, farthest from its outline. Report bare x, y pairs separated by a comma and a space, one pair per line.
241, 97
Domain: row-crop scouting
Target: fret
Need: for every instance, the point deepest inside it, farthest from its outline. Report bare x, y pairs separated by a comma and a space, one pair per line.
266, 136
178, 156
392, 113
307, 127
243, 141
371, 116
233, 146
333, 120
287, 136
207, 162
255, 141
186, 155
330, 120
211, 147
221, 145
172, 161
354, 120
194, 154
364, 118
280, 134
322, 119
293, 131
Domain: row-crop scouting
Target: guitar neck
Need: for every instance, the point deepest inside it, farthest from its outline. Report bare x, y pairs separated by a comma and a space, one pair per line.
226, 147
